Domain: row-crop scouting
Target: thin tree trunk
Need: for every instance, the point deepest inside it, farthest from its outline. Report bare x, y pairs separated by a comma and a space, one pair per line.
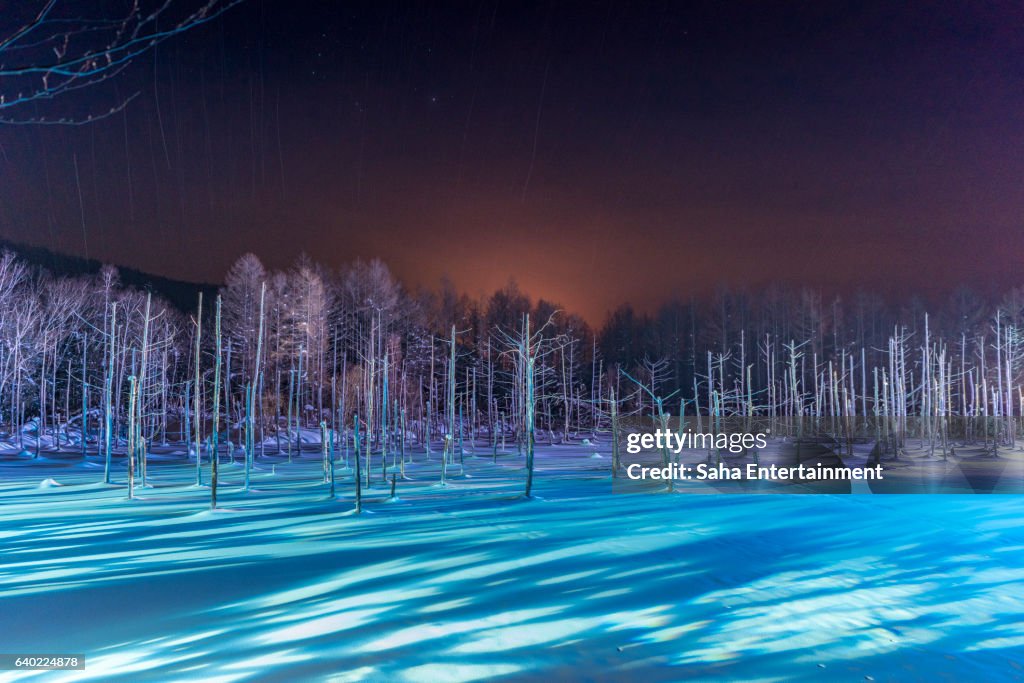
216, 408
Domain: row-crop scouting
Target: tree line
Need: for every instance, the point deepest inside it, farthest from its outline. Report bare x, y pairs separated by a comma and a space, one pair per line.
280, 356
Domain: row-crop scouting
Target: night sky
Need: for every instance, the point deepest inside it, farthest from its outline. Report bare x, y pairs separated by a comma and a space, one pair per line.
597, 152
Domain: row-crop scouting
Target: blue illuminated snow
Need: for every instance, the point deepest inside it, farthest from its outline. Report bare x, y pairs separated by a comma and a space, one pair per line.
473, 583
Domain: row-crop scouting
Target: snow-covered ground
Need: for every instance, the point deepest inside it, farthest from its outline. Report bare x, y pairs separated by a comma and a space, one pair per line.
472, 582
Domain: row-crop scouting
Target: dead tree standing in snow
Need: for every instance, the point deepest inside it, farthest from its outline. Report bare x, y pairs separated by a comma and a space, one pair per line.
216, 408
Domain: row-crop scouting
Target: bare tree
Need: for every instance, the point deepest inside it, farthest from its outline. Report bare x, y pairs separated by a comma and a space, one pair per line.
50, 49
528, 349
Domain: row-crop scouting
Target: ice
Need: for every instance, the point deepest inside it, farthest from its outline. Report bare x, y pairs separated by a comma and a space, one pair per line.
473, 582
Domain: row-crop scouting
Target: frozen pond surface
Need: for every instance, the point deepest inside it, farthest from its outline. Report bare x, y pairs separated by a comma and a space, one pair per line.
471, 582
